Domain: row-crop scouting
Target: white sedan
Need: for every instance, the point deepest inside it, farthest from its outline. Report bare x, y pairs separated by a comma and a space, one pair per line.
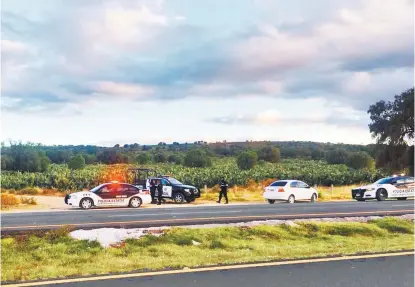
290, 191
109, 194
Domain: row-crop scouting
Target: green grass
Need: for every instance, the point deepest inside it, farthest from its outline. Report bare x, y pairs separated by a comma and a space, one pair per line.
57, 255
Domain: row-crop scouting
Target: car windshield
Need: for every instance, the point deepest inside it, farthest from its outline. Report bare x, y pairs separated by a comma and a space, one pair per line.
97, 188
174, 181
384, 180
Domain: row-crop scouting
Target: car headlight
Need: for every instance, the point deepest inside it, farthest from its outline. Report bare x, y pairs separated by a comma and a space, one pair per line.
370, 189
187, 190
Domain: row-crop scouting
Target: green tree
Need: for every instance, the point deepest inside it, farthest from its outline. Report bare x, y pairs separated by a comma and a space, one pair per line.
337, 156
270, 154
76, 162
197, 158
143, 158
175, 158
90, 158
247, 160
360, 160
160, 157
393, 124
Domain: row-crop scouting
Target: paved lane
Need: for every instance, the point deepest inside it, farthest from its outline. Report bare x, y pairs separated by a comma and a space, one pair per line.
125, 217
374, 272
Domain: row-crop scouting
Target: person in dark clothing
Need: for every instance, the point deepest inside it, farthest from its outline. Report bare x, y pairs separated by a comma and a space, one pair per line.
160, 192
223, 191
153, 188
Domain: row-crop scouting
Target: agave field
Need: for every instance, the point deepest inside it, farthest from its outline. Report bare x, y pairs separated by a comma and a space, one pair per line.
313, 172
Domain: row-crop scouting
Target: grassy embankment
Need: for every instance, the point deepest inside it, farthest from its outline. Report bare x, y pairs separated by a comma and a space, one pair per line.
57, 255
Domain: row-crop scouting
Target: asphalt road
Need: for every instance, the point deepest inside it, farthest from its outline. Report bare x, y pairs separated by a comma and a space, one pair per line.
376, 272
127, 217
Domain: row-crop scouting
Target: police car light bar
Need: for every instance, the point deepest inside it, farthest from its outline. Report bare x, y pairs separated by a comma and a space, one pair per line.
114, 181
402, 174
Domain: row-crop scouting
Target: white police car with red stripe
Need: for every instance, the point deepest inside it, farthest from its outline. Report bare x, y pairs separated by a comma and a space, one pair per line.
109, 194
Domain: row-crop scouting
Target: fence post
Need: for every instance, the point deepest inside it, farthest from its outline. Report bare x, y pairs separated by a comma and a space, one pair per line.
205, 188
331, 190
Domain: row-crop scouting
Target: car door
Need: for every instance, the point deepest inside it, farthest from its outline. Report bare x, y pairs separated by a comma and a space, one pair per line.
109, 195
167, 188
304, 190
293, 189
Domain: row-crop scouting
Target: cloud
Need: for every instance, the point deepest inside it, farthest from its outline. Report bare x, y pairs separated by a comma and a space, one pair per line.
352, 53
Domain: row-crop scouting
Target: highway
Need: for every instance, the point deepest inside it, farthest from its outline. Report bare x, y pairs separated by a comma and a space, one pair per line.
375, 271
150, 217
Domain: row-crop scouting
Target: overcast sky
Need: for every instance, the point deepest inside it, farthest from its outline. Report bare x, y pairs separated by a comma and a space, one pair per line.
124, 71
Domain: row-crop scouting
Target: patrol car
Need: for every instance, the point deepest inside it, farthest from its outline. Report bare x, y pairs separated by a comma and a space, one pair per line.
174, 189
400, 187
109, 194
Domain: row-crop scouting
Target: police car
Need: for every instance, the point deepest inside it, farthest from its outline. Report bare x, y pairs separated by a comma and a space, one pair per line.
399, 187
174, 189
109, 194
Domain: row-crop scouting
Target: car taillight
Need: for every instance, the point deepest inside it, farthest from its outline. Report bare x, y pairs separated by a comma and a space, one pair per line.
281, 190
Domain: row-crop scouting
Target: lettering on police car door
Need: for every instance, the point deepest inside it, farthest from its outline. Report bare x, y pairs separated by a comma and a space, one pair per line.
111, 201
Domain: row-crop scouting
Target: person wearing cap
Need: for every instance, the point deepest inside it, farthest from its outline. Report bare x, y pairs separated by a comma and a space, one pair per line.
159, 192
153, 188
223, 191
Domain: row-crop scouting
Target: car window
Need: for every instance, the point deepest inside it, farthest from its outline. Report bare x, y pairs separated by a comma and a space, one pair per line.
410, 180
301, 184
294, 184
400, 180
127, 188
104, 189
165, 181
279, 183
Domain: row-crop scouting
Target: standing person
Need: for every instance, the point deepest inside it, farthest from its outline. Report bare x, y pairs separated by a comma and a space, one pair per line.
223, 191
160, 192
153, 188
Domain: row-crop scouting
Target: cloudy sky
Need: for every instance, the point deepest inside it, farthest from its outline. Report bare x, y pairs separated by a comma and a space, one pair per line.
125, 71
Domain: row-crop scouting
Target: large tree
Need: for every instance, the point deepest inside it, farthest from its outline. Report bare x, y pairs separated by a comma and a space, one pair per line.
393, 125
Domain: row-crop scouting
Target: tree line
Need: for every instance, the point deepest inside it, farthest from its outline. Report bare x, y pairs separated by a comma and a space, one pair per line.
392, 124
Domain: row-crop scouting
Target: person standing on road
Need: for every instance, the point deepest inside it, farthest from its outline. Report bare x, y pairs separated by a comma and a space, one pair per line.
153, 188
159, 192
223, 191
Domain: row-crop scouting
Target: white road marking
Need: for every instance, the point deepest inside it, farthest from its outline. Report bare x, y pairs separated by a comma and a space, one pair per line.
175, 213
403, 205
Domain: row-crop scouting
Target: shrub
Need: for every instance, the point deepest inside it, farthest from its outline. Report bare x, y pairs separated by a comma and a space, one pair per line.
28, 200
9, 200
247, 160
269, 153
337, 156
29, 191
160, 157
197, 158
77, 162
143, 158
360, 160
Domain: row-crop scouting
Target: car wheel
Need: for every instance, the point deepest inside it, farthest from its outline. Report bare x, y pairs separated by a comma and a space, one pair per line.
314, 198
86, 203
271, 201
178, 197
381, 194
135, 202
402, 198
291, 199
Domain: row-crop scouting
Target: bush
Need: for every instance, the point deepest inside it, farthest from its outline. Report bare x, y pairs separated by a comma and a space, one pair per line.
160, 157
28, 200
360, 160
77, 162
247, 160
9, 200
29, 191
197, 158
174, 158
270, 154
143, 158
337, 156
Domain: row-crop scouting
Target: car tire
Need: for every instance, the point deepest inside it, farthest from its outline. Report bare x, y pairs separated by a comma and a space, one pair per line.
314, 197
361, 199
86, 203
135, 202
291, 199
178, 198
402, 198
271, 201
381, 194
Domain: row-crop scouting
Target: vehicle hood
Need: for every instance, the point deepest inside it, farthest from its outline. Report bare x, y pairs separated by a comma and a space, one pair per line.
78, 192
369, 186
185, 186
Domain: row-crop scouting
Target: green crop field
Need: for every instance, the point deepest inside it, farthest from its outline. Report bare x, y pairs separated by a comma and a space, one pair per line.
313, 172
